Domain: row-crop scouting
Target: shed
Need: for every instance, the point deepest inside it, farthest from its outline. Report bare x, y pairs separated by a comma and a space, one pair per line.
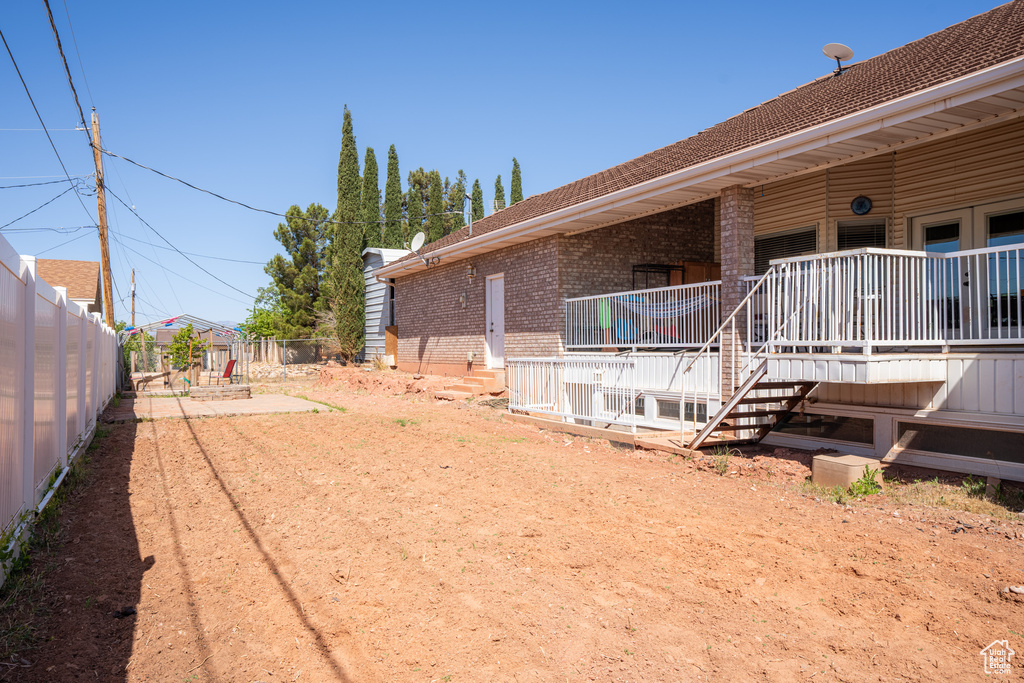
378, 307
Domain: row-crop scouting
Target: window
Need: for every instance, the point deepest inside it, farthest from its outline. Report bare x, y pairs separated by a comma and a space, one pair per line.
942, 239
668, 410
801, 242
702, 412
831, 427
1005, 229
989, 444
861, 235
638, 406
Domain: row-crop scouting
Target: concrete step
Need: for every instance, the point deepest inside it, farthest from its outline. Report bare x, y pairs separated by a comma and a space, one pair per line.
449, 395
479, 381
465, 388
491, 374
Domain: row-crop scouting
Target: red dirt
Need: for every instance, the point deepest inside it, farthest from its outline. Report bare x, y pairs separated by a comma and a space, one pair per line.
413, 540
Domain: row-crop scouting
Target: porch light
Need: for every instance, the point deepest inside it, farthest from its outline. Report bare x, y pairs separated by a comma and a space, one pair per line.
470, 271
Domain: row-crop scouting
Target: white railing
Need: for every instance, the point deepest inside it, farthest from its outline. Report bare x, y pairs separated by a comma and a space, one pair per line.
589, 391
667, 317
57, 372
885, 297
979, 295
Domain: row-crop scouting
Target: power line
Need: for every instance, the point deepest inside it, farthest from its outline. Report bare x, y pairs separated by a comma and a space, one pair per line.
74, 41
39, 207
143, 256
62, 231
64, 60
48, 182
38, 116
247, 206
73, 239
228, 284
215, 258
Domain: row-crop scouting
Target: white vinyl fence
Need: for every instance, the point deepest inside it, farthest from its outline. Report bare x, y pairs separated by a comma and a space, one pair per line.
57, 372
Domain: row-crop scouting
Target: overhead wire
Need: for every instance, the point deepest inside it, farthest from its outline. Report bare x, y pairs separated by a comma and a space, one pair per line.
177, 274
48, 182
190, 253
158, 234
74, 41
58, 246
39, 207
243, 204
64, 61
39, 116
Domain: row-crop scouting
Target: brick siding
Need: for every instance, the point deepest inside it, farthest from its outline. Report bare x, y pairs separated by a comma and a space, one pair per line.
435, 332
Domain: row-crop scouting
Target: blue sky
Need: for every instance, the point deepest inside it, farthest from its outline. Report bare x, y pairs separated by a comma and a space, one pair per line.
246, 99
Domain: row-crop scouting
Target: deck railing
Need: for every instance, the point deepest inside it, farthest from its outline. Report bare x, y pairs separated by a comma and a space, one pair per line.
883, 297
680, 316
599, 391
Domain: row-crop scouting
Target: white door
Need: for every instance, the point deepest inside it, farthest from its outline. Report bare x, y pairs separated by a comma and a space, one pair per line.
496, 321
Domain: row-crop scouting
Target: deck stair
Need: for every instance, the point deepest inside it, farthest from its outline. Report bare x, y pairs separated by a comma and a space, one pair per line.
480, 382
754, 409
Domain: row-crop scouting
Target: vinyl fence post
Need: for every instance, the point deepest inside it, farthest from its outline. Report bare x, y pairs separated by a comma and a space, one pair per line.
28, 274
62, 375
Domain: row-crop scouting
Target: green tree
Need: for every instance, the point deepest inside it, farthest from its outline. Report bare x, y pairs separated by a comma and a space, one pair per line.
344, 278
186, 353
393, 237
349, 189
499, 194
478, 200
297, 275
134, 343
370, 214
435, 210
455, 203
415, 210
517, 183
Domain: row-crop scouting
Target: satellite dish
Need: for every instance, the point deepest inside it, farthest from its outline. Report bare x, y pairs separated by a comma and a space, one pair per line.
417, 241
838, 52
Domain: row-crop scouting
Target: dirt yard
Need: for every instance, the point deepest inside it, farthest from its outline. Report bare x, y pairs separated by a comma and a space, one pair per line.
402, 539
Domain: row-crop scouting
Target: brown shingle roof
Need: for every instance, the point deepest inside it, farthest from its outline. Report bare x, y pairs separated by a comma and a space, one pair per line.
81, 278
970, 46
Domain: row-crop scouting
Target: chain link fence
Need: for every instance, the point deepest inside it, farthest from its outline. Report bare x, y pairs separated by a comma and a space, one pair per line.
281, 359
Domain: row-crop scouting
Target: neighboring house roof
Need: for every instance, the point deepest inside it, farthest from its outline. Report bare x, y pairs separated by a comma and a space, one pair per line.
984, 41
81, 278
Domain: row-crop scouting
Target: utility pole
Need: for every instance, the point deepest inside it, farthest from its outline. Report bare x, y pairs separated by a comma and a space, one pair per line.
133, 297
101, 209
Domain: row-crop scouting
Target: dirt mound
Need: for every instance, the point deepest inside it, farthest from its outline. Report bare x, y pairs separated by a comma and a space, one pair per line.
383, 383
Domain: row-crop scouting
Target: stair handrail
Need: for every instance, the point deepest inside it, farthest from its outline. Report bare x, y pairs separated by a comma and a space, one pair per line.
707, 345
766, 348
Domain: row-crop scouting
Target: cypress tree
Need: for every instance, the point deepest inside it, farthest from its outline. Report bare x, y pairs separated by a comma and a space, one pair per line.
370, 214
415, 210
435, 210
499, 194
393, 238
456, 203
344, 279
517, 183
478, 200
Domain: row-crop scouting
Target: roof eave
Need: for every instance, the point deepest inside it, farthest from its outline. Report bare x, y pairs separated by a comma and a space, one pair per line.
959, 91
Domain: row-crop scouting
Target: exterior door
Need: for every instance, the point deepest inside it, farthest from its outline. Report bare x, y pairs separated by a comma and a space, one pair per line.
496, 321
946, 233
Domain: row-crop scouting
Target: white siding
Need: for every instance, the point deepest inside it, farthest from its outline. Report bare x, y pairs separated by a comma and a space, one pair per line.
377, 306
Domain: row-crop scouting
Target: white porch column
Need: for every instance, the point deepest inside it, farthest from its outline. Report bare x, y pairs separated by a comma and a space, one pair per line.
737, 239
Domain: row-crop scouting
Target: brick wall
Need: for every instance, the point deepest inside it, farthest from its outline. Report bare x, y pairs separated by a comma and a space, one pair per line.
435, 332
737, 235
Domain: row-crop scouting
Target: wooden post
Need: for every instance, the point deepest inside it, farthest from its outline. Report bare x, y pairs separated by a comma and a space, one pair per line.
101, 209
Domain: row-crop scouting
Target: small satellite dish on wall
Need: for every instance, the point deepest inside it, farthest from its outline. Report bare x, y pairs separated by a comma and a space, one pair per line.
417, 241
838, 52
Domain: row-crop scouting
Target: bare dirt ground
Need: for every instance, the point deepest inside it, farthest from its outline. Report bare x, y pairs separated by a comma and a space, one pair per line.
408, 540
